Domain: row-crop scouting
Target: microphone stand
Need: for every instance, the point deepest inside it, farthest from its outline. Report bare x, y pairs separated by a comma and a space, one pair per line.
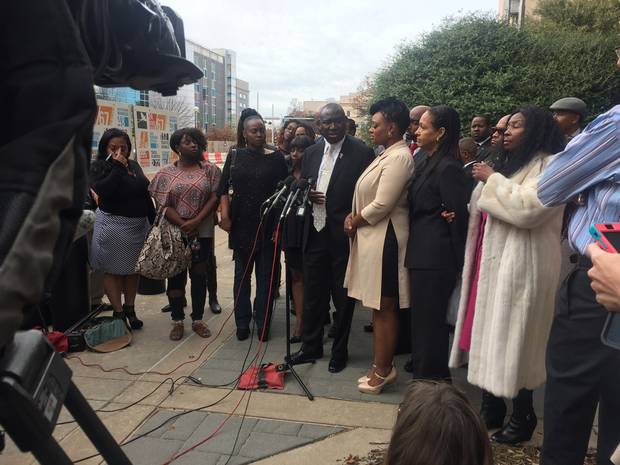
286, 365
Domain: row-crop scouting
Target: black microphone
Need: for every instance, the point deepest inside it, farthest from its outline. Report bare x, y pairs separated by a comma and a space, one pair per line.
275, 194
275, 198
302, 208
296, 188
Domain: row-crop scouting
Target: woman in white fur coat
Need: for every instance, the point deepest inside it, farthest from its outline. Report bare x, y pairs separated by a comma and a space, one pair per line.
510, 276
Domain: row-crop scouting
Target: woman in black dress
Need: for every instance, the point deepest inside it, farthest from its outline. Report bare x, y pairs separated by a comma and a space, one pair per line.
120, 190
292, 238
250, 176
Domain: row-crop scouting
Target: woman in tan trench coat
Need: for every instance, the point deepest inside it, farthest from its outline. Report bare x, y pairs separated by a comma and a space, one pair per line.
378, 227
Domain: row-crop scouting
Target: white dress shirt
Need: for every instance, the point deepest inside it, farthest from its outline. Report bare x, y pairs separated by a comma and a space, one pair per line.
335, 153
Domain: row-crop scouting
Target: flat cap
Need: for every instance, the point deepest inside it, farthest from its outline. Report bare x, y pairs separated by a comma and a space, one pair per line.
574, 104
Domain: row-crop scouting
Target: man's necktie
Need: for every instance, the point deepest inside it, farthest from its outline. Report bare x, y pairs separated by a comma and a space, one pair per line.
319, 211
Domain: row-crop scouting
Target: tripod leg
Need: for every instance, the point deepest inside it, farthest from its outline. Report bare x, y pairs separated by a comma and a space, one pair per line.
291, 369
94, 428
49, 452
287, 313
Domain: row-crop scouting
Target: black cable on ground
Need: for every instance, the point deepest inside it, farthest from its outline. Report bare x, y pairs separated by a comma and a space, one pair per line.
194, 380
178, 415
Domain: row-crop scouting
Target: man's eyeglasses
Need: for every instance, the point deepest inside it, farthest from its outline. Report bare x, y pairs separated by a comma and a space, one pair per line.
500, 130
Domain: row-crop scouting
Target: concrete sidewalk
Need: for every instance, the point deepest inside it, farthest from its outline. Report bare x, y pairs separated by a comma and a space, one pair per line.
264, 427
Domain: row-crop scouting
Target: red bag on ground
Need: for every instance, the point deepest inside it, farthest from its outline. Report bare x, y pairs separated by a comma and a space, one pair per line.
59, 341
267, 376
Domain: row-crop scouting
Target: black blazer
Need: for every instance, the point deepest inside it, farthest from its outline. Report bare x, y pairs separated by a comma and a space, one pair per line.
354, 158
484, 151
433, 242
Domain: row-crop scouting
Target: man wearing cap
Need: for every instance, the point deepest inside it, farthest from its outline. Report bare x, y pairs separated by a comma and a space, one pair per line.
569, 113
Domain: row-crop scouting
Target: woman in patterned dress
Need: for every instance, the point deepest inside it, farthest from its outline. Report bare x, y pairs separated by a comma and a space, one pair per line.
186, 188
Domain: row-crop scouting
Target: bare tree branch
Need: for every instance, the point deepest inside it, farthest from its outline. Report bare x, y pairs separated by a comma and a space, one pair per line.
177, 104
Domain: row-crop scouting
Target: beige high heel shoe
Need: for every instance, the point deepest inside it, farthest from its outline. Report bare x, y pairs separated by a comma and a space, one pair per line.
366, 378
385, 380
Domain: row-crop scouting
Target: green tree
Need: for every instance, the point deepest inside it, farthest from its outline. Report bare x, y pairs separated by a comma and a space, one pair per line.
481, 65
583, 15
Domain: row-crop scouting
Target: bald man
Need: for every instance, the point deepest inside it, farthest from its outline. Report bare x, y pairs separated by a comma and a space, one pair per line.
414, 122
497, 136
468, 150
333, 165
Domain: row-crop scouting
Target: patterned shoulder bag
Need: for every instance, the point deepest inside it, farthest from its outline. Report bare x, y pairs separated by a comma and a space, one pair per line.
165, 253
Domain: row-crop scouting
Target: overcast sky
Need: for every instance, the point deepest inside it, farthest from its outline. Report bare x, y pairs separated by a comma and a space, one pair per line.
312, 50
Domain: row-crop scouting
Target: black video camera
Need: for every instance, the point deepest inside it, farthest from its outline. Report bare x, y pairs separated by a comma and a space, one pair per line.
135, 43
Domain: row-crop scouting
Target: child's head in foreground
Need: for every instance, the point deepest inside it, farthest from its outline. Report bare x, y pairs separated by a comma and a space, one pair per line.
437, 425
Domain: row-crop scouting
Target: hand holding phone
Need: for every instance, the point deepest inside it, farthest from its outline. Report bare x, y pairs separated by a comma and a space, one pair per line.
607, 236
605, 275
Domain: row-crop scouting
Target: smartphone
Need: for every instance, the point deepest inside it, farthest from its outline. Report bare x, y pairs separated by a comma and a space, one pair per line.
607, 236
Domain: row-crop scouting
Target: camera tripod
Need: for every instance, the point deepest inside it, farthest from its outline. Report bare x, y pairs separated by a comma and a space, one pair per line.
35, 382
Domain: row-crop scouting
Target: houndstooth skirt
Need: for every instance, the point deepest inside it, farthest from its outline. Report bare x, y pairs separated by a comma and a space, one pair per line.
117, 242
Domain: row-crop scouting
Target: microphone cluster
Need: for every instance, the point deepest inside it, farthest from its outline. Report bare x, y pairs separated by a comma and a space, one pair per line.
298, 192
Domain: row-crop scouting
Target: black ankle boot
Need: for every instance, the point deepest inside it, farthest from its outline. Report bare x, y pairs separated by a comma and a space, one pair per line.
167, 308
522, 423
214, 305
130, 314
492, 411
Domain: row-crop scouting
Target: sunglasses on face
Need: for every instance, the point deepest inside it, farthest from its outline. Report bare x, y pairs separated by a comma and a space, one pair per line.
500, 130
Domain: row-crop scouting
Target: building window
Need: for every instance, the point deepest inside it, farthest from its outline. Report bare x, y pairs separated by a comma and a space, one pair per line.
213, 92
213, 75
514, 18
144, 98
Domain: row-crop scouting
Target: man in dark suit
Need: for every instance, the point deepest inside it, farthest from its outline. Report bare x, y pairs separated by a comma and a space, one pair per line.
333, 165
481, 133
467, 151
